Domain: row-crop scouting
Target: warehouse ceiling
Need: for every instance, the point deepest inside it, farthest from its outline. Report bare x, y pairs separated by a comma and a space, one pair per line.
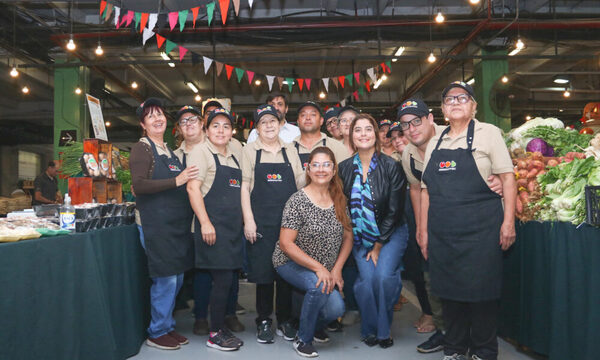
300, 39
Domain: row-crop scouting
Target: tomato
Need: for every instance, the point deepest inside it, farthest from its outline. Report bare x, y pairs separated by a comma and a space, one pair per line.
586, 130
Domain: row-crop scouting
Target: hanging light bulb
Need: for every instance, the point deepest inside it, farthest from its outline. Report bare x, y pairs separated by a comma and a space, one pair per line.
519, 44
134, 85
14, 72
78, 90
71, 44
384, 77
257, 82
474, 2
107, 123
567, 93
505, 79
198, 98
25, 90
322, 95
431, 58
528, 117
99, 50
439, 18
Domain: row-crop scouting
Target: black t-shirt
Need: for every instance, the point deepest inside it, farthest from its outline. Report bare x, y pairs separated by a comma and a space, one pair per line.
46, 185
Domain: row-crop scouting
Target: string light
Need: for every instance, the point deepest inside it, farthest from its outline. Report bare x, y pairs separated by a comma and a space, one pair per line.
505, 79
322, 95
519, 44
474, 2
25, 90
78, 90
528, 117
107, 123
198, 98
71, 44
257, 82
439, 18
99, 50
14, 72
384, 77
567, 93
431, 58
134, 85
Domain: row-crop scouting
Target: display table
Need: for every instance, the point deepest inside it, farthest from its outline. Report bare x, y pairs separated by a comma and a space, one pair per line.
551, 293
81, 296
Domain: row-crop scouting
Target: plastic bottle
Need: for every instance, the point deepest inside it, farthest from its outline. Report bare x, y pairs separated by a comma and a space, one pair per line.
67, 215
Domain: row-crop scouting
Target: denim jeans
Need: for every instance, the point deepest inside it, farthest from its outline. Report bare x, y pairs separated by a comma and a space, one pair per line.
378, 287
318, 308
162, 300
202, 287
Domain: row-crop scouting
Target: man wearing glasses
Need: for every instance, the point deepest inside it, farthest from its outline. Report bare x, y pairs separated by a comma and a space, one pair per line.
332, 124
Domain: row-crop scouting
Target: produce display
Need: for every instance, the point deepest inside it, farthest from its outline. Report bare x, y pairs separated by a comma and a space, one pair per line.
553, 166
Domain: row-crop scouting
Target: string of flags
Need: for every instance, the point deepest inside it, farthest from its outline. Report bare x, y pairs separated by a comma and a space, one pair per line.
146, 22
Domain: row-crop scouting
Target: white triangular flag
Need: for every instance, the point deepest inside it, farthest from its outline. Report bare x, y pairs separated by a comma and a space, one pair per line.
326, 83
117, 11
250, 3
207, 63
343, 103
270, 78
147, 34
152, 19
371, 73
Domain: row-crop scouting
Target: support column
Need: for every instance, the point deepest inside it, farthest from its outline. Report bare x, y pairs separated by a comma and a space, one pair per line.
488, 74
70, 110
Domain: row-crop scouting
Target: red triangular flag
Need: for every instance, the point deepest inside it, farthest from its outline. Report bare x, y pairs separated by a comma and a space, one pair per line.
355, 95
307, 81
224, 5
341, 80
160, 40
368, 85
229, 69
300, 83
182, 52
144, 21
250, 76
357, 77
102, 6
195, 14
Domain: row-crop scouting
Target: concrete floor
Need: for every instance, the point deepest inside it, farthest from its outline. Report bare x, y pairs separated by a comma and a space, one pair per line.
343, 346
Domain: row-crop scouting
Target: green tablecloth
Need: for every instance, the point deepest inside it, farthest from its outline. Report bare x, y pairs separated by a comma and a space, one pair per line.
551, 293
81, 296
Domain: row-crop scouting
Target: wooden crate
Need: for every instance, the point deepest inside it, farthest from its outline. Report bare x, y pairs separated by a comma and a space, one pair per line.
86, 190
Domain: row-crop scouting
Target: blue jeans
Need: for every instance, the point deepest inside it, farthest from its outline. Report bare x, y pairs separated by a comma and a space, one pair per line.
318, 308
163, 292
203, 286
378, 287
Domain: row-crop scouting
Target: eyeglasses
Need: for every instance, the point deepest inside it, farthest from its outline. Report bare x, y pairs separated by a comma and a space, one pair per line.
188, 121
345, 120
404, 125
324, 165
458, 99
332, 121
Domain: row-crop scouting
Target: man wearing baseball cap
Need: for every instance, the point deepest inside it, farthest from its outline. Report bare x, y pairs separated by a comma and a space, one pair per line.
331, 123
386, 141
345, 117
288, 132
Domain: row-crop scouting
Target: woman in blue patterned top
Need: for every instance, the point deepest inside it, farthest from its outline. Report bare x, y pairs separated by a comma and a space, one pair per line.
374, 183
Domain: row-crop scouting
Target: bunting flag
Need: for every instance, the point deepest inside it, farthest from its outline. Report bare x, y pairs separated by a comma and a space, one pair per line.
240, 74
349, 78
388, 64
138, 17
361, 90
355, 94
117, 14
152, 19
280, 81
182, 52
326, 83
341, 79
128, 18
307, 82
108, 12
144, 21
173, 16
343, 103
236, 6
250, 76
169, 46
160, 40
224, 6
147, 34
210, 11
300, 83
290, 83
102, 6
182, 19
371, 73
229, 69
335, 81
357, 77
219, 68
368, 85
270, 79
195, 14
250, 3
207, 63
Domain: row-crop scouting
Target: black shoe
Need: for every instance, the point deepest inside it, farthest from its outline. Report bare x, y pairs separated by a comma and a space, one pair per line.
287, 330
370, 340
321, 336
386, 343
433, 344
306, 350
223, 341
239, 341
264, 332
334, 326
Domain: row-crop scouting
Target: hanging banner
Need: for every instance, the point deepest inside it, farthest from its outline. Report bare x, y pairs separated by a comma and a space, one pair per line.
97, 118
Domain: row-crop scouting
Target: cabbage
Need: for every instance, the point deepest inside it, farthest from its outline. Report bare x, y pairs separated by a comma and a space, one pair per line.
540, 145
517, 134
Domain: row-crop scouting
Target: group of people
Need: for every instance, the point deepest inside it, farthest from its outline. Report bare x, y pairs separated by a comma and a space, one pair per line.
331, 220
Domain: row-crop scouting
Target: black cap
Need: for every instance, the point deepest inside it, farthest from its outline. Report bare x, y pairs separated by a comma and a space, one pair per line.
149, 102
346, 108
459, 84
395, 126
263, 110
310, 103
331, 112
413, 107
212, 102
219, 111
187, 109
384, 122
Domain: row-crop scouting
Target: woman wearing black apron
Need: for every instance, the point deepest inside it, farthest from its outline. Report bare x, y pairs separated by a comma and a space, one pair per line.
158, 179
215, 198
464, 227
271, 174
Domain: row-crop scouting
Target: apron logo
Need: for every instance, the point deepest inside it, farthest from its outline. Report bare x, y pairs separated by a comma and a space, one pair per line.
234, 183
273, 177
305, 165
174, 168
447, 165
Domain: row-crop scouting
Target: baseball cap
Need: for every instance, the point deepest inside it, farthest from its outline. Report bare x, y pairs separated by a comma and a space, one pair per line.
152, 101
348, 107
310, 103
331, 112
219, 111
186, 109
413, 107
263, 110
384, 122
459, 84
393, 127
211, 102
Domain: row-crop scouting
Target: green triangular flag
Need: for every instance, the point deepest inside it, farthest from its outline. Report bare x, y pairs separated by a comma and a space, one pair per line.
349, 78
290, 83
182, 18
210, 11
389, 65
104, 15
138, 17
361, 90
240, 74
170, 46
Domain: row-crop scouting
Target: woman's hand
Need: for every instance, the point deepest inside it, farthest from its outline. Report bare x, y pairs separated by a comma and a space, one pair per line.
209, 234
250, 231
337, 278
326, 279
495, 184
374, 253
507, 235
191, 172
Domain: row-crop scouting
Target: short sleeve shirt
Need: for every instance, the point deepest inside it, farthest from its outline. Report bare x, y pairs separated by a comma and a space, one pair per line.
489, 150
46, 185
411, 151
340, 151
202, 157
319, 231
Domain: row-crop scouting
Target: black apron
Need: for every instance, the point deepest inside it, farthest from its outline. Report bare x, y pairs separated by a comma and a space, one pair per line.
304, 157
273, 185
166, 218
413, 169
465, 216
224, 208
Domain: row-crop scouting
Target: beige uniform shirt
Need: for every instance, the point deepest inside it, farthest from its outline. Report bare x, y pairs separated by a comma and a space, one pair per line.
490, 152
202, 157
411, 150
340, 151
249, 161
235, 145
